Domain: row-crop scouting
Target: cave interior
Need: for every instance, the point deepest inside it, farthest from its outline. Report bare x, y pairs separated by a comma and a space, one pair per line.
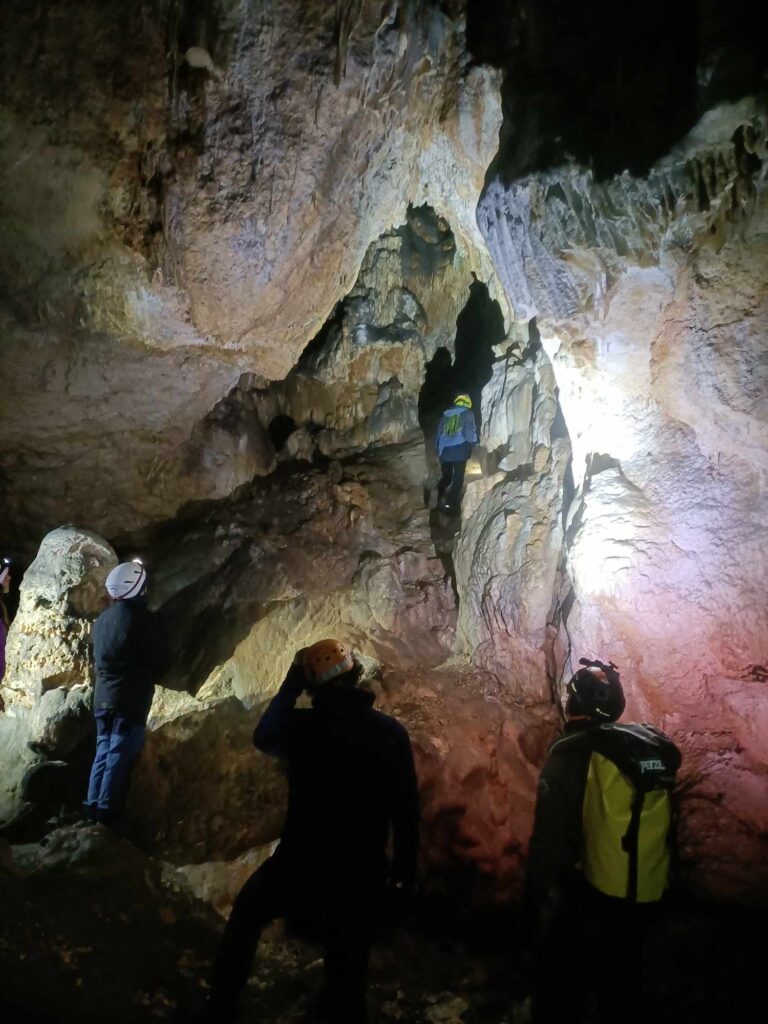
250, 253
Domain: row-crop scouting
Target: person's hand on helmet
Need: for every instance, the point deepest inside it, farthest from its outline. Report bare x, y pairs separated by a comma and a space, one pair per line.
296, 678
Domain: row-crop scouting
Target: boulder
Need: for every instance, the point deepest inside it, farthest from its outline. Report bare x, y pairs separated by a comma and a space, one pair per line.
45, 732
61, 594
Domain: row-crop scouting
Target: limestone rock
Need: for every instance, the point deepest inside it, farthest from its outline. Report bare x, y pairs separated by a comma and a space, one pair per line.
227, 449
559, 238
196, 215
17, 761
477, 755
202, 792
217, 883
652, 302
61, 720
62, 592
508, 554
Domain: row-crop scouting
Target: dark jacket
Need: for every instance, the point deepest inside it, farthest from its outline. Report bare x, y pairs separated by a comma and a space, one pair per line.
557, 839
127, 654
351, 781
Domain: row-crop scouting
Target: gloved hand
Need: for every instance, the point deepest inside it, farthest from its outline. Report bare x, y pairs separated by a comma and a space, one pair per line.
296, 678
399, 898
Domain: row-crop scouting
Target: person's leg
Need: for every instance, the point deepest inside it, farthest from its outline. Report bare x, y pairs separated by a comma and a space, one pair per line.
446, 472
125, 742
350, 929
345, 961
622, 994
457, 482
346, 951
561, 970
103, 733
261, 900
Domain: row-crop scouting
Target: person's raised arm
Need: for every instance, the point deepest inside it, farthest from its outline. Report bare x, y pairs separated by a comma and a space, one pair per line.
272, 734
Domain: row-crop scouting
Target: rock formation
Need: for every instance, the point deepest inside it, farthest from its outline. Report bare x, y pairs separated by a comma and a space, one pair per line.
47, 684
171, 228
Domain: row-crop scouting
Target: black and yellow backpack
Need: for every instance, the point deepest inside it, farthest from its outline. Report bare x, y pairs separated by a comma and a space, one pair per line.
627, 811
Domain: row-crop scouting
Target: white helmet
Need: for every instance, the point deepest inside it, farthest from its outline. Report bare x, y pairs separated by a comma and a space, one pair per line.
126, 581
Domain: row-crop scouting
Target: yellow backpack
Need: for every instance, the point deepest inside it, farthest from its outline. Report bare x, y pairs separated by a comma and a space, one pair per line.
627, 811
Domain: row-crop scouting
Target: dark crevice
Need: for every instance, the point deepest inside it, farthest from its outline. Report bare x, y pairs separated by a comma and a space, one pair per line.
563, 595
580, 86
437, 389
599, 462
316, 347
569, 491
520, 473
479, 327
428, 244
494, 30
280, 429
559, 428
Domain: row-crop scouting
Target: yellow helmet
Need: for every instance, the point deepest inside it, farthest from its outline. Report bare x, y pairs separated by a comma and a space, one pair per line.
463, 400
325, 660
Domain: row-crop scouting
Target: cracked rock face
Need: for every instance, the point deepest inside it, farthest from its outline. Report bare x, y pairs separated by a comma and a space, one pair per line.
187, 196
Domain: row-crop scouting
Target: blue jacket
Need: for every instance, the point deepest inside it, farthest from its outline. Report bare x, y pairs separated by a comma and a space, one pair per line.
457, 445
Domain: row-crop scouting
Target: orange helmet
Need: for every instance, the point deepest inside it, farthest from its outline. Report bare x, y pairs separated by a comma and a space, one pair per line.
325, 660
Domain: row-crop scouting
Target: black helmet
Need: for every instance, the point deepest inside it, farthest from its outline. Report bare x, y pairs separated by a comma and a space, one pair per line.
596, 691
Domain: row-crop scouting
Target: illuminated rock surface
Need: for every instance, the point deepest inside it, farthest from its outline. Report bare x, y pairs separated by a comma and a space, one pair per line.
201, 224
661, 362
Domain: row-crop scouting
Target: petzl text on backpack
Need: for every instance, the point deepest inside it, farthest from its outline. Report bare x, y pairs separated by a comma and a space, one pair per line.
627, 811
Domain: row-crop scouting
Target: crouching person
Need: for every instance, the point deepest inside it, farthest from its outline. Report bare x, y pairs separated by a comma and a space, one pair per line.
127, 656
351, 784
600, 854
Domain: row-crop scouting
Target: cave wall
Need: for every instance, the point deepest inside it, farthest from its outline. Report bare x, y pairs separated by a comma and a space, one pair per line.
643, 260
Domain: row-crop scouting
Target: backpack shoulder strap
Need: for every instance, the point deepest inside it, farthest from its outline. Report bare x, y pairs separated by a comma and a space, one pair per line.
643, 753
630, 842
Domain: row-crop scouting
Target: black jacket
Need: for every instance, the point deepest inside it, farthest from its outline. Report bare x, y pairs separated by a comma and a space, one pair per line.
351, 781
128, 659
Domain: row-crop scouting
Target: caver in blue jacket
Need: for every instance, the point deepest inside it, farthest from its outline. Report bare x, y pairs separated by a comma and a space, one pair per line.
456, 437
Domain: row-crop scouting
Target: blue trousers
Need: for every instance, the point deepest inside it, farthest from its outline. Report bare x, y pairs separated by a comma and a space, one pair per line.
118, 744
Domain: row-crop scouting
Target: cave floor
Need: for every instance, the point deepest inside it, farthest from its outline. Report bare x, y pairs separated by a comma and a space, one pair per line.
104, 933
